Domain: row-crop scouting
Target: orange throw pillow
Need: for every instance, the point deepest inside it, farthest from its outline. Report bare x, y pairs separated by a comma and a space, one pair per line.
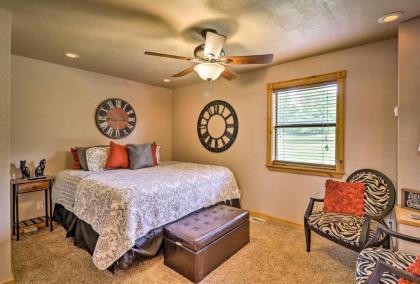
118, 157
344, 198
413, 268
154, 153
76, 162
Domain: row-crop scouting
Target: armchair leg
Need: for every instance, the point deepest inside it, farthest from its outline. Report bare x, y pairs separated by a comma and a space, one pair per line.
307, 237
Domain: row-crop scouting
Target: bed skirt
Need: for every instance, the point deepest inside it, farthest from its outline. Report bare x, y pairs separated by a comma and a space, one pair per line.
85, 237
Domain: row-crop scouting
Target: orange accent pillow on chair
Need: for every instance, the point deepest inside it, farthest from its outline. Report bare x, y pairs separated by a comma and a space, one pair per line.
413, 268
118, 157
344, 198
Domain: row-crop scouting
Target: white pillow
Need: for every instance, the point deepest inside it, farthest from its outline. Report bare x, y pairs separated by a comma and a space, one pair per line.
158, 154
96, 158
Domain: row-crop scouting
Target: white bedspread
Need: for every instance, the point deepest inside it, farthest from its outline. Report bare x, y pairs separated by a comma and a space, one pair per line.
123, 205
65, 185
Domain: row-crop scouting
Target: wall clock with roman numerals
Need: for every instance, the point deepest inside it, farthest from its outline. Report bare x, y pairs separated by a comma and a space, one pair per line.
217, 126
115, 118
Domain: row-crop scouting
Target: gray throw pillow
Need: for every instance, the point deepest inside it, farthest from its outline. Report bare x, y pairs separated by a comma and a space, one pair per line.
140, 156
81, 153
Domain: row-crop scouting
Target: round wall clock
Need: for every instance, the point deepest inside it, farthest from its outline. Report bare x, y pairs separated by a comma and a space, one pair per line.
115, 118
217, 126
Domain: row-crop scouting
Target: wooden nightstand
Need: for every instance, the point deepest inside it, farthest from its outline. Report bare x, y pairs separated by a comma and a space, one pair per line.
407, 226
22, 186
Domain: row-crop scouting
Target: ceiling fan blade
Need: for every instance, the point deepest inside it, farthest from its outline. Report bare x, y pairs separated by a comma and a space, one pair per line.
249, 59
184, 72
167, 55
229, 74
214, 44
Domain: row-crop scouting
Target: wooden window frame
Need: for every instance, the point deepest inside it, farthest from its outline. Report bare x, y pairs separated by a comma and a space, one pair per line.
340, 78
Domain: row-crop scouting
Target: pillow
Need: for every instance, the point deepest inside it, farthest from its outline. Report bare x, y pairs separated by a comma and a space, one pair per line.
81, 154
158, 154
155, 154
344, 198
76, 162
413, 268
140, 156
118, 157
96, 158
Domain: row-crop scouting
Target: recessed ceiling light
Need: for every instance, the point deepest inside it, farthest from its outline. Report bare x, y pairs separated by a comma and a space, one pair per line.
391, 17
166, 80
72, 55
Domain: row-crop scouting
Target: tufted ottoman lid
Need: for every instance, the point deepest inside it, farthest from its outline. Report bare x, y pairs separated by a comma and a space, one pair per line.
198, 230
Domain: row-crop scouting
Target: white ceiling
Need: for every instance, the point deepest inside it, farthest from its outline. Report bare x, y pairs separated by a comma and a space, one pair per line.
112, 35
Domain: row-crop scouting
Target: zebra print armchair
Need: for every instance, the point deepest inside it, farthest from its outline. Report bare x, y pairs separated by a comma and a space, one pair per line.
383, 266
353, 231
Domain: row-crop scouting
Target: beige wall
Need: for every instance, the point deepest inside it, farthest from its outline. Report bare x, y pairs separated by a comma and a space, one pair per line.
53, 109
409, 105
370, 129
5, 32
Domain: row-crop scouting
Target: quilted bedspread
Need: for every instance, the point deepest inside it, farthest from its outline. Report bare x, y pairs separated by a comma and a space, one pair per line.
123, 205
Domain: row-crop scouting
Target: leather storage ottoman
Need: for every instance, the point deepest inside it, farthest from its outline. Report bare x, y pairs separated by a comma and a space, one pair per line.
199, 243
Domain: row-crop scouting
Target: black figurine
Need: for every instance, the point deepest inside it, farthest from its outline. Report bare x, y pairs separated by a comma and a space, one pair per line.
39, 171
24, 169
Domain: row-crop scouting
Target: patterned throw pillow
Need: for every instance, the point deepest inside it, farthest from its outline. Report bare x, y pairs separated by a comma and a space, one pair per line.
344, 197
96, 158
413, 268
158, 154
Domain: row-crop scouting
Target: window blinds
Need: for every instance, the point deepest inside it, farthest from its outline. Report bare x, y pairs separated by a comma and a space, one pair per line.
304, 123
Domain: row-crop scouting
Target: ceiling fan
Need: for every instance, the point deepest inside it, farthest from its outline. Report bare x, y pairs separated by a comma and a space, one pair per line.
212, 60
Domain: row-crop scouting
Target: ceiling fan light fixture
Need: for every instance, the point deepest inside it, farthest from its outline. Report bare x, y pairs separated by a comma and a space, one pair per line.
209, 71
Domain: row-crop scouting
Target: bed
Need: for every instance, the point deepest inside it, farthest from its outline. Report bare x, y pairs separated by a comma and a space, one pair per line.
118, 215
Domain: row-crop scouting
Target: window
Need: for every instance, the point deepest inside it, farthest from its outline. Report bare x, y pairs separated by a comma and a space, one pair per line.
305, 125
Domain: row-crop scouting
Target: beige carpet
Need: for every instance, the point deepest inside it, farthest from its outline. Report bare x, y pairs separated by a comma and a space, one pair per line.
276, 254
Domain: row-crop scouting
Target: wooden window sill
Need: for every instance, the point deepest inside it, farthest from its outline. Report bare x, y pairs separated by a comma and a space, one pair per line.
306, 170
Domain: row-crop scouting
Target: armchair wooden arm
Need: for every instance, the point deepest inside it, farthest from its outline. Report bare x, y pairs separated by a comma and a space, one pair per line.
383, 230
382, 267
311, 206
